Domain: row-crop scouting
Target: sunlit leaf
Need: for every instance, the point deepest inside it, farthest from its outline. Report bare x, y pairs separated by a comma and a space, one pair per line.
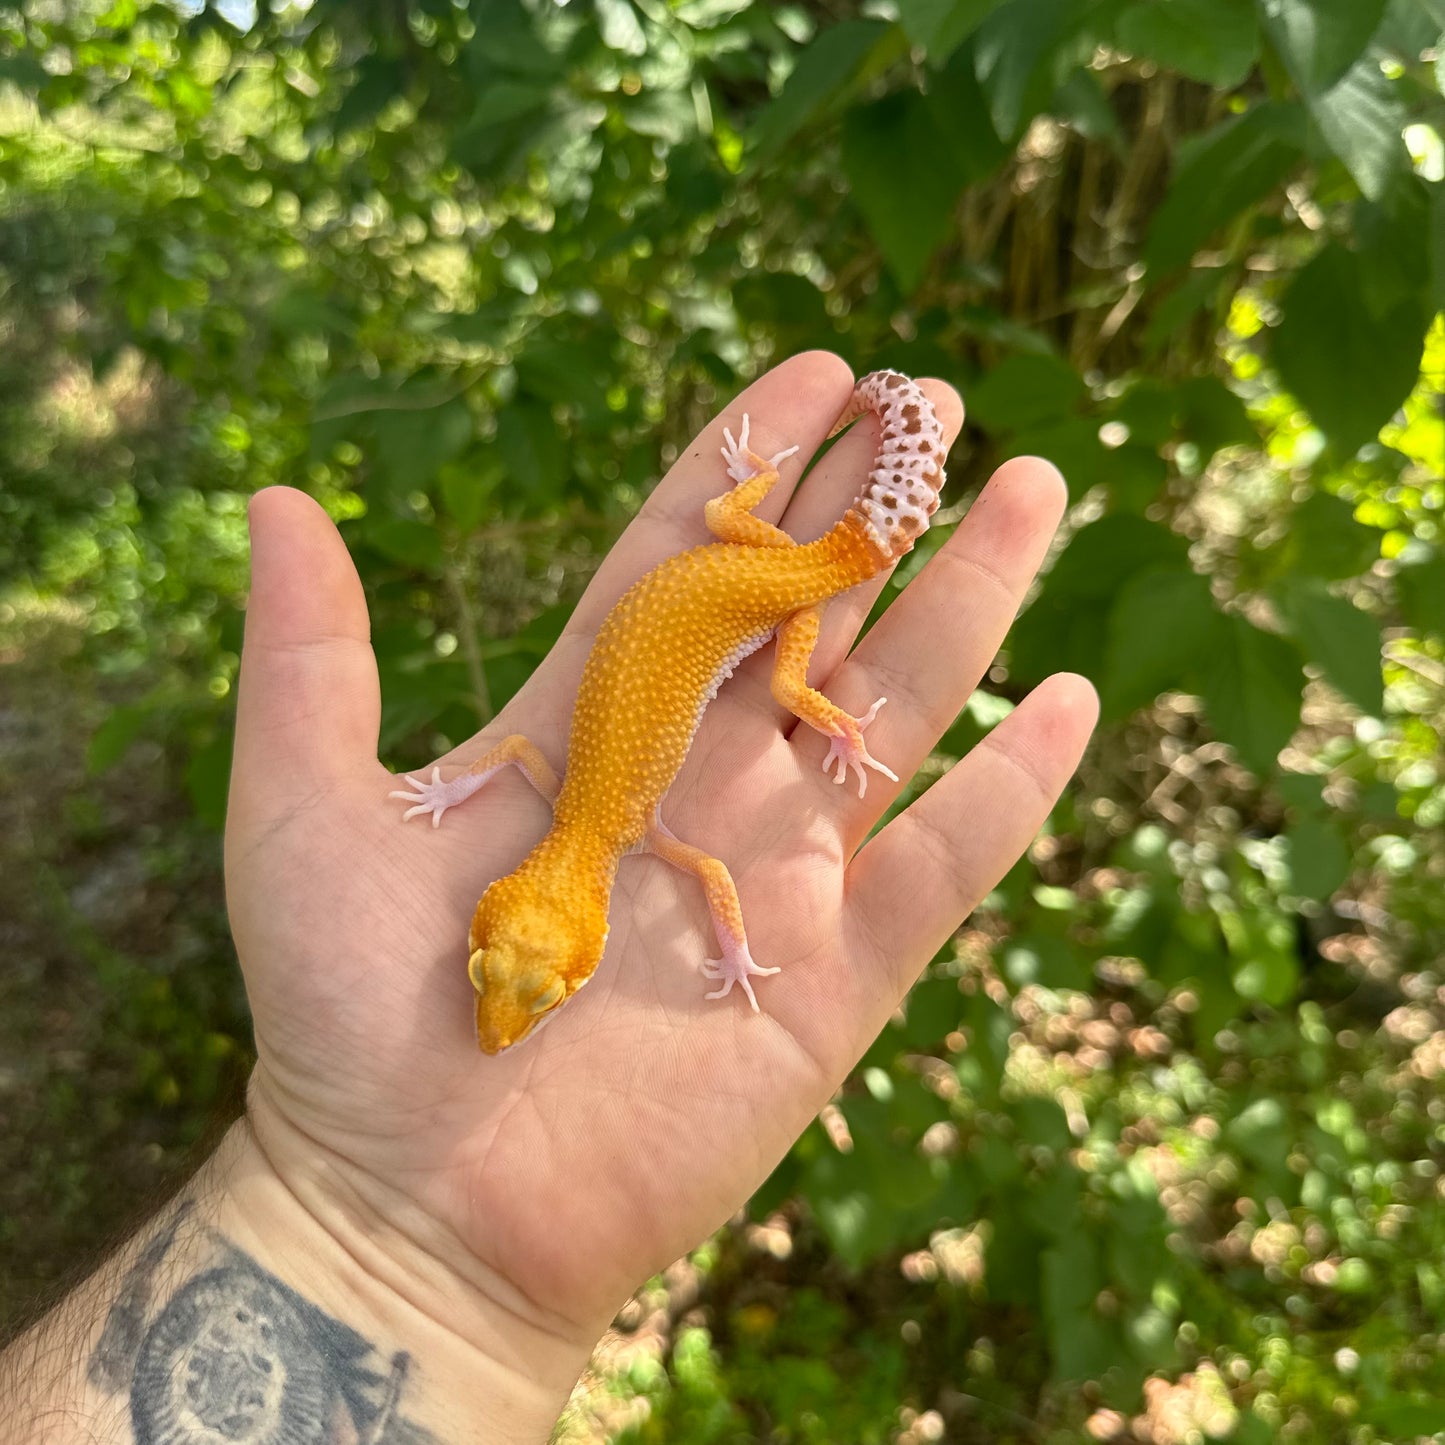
1320, 39
939, 27
1013, 55
822, 80
1215, 41
1361, 119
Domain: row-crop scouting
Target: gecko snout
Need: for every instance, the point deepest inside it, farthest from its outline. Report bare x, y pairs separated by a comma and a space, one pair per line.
528, 955
511, 1001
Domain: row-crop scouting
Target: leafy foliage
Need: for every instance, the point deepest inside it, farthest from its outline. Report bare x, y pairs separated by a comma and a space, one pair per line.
1156, 1138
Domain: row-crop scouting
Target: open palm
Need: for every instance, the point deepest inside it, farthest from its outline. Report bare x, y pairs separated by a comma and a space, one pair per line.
559, 1174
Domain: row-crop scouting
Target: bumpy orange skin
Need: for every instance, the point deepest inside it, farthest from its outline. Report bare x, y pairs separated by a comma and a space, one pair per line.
651, 672
659, 658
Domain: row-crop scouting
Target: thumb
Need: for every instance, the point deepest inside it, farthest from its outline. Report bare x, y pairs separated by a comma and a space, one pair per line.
309, 706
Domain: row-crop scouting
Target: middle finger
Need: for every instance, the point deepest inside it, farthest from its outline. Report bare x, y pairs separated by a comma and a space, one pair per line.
928, 651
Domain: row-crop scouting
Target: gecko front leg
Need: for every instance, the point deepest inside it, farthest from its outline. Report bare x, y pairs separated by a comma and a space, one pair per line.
736, 966
436, 796
730, 517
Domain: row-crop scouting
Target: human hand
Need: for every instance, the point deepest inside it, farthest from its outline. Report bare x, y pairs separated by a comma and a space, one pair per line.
534, 1190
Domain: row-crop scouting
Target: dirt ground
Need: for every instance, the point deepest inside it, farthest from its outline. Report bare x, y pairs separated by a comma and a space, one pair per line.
123, 1039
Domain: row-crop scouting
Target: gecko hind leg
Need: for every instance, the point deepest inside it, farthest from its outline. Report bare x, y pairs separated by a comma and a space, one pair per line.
796, 639
736, 966
730, 516
436, 795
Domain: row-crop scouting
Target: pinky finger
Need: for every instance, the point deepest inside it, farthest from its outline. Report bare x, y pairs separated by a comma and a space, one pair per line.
918, 879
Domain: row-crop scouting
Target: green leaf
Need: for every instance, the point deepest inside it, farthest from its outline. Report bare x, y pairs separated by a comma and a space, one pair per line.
532, 448
510, 44
1361, 119
1195, 291
1393, 234
1252, 692
507, 122
932, 1011
619, 27
961, 115
1082, 103
1047, 960
780, 299
110, 742
1404, 1417
24, 71
1162, 630
567, 371
1106, 553
1072, 1279
1026, 391
1261, 1133
939, 27
1013, 58
1319, 40
1072, 444
1420, 588
1319, 860
120, 16
1067, 624
822, 80
1200, 409
1042, 1123
1324, 540
1212, 415
1221, 174
1342, 641
903, 176
1215, 41
379, 80
467, 491
1437, 245
412, 543
411, 446
208, 778
488, 325
1350, 368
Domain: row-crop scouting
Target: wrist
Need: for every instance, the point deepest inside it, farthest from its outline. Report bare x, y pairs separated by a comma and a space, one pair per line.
465, 1359
261, 1305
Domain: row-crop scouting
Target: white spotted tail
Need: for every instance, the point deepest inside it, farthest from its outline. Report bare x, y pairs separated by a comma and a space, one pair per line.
903, 487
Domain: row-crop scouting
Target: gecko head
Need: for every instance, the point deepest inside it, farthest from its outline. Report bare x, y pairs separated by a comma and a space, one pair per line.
526, 961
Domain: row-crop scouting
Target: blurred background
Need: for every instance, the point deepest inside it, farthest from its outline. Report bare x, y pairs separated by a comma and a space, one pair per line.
1155, 1153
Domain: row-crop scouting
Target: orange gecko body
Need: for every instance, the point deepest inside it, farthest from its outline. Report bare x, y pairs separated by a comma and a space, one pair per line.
659, 658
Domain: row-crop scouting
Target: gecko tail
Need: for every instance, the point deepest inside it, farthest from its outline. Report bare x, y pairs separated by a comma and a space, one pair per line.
902, 489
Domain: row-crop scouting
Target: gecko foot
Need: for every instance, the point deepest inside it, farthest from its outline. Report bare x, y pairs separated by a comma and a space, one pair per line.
735, 966
742, 462
848, 752
435, 797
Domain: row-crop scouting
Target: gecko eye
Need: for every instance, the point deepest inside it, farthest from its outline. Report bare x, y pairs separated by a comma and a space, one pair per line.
548, 997
474, 972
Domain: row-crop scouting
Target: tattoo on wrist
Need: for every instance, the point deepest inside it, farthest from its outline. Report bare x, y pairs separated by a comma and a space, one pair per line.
227, 1352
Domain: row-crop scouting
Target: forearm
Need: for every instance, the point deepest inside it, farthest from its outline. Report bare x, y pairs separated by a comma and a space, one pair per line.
242, 1313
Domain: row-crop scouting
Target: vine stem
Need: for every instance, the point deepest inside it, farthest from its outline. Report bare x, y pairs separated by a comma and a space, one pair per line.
471, 648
